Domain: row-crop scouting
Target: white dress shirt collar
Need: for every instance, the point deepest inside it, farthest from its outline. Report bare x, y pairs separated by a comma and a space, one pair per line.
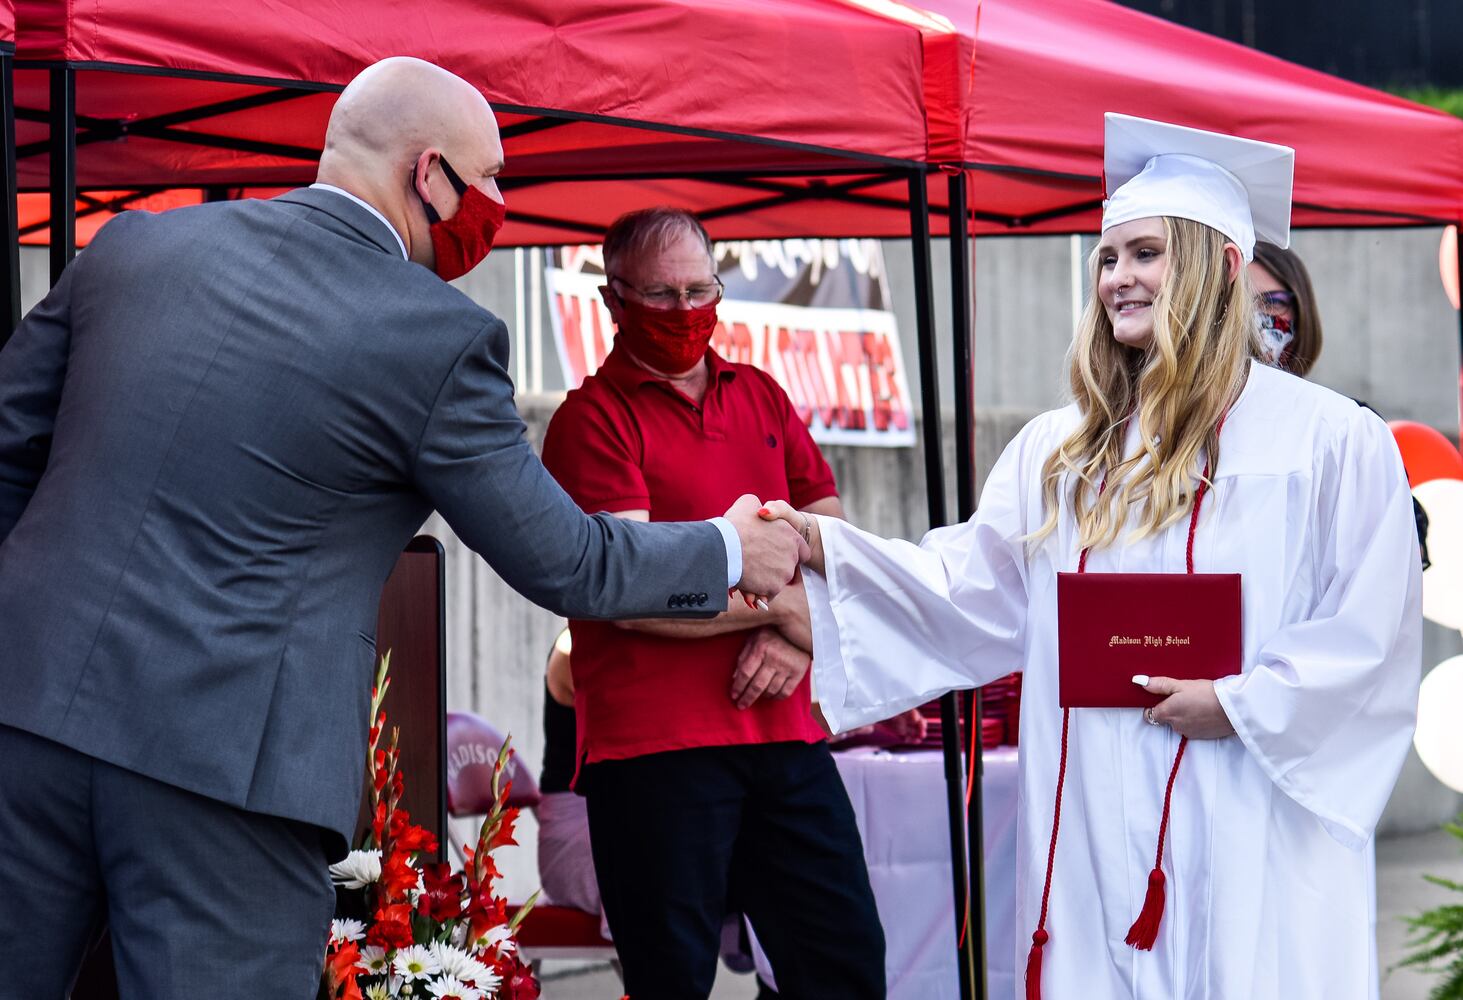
368, 207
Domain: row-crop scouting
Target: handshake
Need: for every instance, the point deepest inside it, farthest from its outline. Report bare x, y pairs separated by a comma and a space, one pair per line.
775, 539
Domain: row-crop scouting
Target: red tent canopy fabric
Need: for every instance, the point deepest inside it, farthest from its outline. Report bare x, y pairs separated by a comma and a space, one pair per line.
7, 26
769, 117
1035, 78
586, 89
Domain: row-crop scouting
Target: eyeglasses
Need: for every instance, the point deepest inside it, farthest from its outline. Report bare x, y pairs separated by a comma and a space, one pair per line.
664, 297
1276, 301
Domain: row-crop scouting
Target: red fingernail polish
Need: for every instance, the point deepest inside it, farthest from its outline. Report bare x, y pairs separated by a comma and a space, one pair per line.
763, 511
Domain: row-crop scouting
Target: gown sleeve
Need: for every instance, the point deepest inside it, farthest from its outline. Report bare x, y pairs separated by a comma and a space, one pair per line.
896, 624
1328, 708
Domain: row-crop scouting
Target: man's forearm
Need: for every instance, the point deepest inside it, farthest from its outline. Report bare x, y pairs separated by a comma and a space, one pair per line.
737, 618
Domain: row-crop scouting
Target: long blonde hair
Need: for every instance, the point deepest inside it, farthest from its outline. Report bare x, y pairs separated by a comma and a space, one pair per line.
1178, 388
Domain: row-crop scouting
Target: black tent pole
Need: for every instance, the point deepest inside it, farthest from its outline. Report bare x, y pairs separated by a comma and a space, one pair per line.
924, 313
10, 210
962, 313
63, 169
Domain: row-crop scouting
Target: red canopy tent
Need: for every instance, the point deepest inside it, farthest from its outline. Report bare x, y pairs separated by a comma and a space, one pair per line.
1034, 78
589, 94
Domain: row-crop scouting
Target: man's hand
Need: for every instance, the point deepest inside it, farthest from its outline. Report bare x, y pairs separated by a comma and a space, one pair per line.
1191, 708
771, 550
768, 667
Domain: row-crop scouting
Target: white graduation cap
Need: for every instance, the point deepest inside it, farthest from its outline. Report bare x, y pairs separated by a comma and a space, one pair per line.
1240, 187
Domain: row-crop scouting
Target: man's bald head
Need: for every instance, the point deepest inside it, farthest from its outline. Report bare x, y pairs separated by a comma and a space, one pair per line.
392, 122
397, 107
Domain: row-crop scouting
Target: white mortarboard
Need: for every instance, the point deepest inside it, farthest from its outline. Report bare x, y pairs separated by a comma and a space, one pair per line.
1240, 187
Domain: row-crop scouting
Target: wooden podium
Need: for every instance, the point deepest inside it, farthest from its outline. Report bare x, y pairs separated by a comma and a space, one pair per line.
412, 624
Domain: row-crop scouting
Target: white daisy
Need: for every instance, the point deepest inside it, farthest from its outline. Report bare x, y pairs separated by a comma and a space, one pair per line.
415, 963
498, 938
377, 991
460, 965
358, 870
374, 961
482, 978
448, 988
346, 930
450, 960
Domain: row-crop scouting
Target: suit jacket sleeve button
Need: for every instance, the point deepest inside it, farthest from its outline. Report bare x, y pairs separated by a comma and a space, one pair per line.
671, 601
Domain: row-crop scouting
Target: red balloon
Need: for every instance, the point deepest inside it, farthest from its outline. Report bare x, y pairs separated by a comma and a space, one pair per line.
1426, 453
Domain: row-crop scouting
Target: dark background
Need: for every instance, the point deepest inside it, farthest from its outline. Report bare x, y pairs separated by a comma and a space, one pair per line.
1380, 43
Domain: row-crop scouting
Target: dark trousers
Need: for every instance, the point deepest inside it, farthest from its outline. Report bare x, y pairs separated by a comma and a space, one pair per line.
680, 838
203, 900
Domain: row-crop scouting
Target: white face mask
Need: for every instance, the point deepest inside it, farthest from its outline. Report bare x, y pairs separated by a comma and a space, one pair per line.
1275, 337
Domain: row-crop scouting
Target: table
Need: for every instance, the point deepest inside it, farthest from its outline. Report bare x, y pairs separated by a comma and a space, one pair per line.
899, 801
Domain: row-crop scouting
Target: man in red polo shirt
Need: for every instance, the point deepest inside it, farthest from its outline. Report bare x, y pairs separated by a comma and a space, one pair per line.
709, 788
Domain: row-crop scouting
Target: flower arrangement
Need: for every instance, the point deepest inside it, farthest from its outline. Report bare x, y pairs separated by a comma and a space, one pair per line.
407, 928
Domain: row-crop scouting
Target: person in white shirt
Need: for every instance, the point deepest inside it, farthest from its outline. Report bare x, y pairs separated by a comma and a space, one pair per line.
1264, 887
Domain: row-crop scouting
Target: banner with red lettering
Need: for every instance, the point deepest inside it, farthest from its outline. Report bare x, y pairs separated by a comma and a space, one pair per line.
811, 313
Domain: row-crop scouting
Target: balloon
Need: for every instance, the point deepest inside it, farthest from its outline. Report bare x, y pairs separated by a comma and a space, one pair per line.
1448, 263
1442, 582
1426, 453
1439, 707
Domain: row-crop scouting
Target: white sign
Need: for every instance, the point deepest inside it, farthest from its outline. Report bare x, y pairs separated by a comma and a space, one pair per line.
842, 367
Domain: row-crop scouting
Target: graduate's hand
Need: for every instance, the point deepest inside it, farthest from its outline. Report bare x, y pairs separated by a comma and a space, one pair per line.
768, 667
1191, 708
770, 552
805, 525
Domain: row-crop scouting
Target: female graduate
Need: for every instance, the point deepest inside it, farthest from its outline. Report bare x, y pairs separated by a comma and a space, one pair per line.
1246, 872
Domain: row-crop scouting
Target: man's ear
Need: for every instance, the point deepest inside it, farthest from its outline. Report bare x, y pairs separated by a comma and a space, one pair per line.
420, 173
611, 301
1233, 261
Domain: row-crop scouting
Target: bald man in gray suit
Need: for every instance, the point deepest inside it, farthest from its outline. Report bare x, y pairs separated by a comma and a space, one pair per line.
216, 434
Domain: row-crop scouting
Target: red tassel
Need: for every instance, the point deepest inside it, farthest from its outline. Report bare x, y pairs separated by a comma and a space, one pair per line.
1145, 929
1033, 966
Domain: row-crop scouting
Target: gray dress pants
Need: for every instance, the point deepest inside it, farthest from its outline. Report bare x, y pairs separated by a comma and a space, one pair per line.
203, 900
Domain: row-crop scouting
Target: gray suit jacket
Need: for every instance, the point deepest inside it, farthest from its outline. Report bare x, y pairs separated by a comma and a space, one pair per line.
216, 434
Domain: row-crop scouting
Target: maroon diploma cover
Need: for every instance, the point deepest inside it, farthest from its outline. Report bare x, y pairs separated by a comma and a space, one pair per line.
1114, 625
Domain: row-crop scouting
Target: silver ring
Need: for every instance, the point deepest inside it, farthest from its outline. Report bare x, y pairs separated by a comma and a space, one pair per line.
1148, 717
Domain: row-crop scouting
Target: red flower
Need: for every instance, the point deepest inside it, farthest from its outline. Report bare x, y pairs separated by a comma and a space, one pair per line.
503, 836
518, 981
485, 913
407, 836
392, 928
378, 822
340, 972
398, 877
442, 893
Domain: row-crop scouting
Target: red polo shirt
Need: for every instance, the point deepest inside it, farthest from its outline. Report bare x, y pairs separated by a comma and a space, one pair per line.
627, 440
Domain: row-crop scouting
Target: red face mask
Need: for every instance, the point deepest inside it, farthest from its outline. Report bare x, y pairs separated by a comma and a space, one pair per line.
667, 340
463, 241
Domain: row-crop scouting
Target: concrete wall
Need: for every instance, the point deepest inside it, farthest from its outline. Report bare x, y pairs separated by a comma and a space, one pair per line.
1391, 338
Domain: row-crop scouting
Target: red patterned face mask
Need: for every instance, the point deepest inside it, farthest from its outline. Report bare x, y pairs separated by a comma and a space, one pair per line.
463, 241
668, 340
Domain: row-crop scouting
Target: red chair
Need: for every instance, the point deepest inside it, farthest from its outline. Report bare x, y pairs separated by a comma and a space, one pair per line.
548, 931
472, 748
562, 932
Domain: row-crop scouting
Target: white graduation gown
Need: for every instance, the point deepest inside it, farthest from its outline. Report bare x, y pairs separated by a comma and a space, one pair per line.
1271, 888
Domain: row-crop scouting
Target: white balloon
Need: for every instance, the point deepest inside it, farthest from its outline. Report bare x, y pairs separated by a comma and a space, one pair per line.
1439, 707
1442, 583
